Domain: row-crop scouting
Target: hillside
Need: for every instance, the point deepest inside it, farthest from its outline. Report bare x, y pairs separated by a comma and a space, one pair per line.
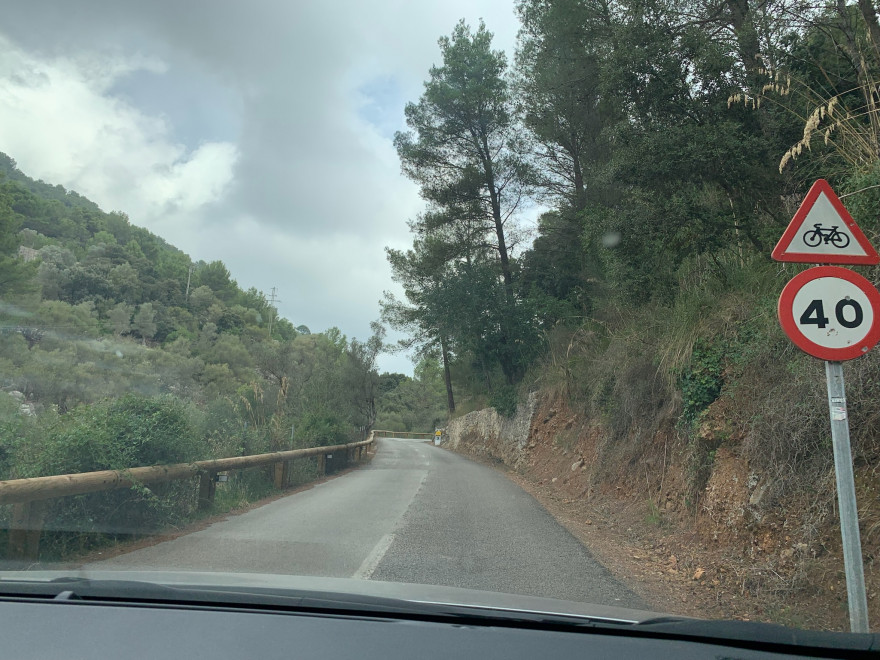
669, 155
117, 350
729, 513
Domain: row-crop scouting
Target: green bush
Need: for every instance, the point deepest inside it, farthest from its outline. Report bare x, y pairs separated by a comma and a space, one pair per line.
504, 400
321, 427
152, 431
701, 383
131, 431
390, 421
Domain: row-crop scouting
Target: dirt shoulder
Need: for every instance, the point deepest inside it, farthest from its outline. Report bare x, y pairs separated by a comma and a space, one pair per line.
646, 569
677, 562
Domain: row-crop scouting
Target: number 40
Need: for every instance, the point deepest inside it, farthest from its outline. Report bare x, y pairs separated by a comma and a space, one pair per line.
814, 314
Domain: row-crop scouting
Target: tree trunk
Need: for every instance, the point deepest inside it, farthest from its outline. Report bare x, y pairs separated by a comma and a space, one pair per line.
444, 351
489, 172
486, 374
502, 254
580, 193
869, 13
748, 45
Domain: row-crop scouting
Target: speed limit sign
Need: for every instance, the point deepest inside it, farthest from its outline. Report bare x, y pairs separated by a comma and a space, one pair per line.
831, 313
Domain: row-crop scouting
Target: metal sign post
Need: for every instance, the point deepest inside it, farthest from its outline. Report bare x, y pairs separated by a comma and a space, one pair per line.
846, 498
833, 314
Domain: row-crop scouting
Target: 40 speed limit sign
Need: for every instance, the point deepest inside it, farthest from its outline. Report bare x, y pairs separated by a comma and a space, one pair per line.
831, 313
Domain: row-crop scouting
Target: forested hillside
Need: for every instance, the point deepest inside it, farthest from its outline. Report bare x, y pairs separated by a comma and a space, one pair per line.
117, 350
668, 144
662, 147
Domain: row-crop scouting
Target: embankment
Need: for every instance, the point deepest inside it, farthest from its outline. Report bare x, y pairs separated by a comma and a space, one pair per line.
686, 516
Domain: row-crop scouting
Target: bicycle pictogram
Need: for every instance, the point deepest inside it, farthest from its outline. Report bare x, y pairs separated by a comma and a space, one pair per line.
827, 234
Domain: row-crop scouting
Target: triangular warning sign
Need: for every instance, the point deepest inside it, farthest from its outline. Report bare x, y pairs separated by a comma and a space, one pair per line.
823, 232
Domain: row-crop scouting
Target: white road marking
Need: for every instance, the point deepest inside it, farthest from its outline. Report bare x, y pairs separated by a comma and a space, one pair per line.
372, 561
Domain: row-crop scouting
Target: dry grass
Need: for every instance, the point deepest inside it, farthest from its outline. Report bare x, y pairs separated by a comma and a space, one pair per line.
849, 129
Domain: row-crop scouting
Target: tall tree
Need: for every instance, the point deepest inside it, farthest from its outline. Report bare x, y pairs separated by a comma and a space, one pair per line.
559, 52
421, 272
120, 318
15, 274
363, 378
463, 147
144, 322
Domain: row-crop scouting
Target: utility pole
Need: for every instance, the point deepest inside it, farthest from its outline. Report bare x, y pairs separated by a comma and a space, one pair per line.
188, 279
272, 301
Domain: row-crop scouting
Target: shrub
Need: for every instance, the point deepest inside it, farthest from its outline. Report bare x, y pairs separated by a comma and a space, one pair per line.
320, 428
701, 383
130, 431
504, 400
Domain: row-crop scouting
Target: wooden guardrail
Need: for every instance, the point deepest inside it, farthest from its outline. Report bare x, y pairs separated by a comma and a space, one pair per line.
29, 496
402, 434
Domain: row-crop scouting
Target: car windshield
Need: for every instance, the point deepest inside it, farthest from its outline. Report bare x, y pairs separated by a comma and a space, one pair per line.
508, 296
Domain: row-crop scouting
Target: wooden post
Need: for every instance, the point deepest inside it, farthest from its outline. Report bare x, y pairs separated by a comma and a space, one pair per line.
25, 530
322, 465
278, 475
207, 487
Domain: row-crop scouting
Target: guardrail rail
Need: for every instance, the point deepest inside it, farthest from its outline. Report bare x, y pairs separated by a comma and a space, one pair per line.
402, 434
29, 496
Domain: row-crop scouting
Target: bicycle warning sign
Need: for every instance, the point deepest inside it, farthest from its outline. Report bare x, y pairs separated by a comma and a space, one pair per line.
828, 235
833, 314
823, 232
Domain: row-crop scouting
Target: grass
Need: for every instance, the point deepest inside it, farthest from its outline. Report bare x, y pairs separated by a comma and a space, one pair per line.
653, 516
243, 488
565, 441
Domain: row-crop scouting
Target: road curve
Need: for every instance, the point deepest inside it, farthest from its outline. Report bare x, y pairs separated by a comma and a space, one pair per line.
417, 514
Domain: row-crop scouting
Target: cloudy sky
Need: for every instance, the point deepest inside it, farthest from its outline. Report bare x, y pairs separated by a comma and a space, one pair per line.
257, 132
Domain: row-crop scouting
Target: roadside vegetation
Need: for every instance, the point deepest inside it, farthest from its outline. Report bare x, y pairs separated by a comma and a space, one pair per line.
117, 350
665, 147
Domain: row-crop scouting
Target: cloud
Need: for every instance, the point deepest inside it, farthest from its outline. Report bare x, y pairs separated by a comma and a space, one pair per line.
60, 124
258, 133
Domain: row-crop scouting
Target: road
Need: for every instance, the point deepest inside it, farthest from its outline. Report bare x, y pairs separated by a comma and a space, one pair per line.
416, 513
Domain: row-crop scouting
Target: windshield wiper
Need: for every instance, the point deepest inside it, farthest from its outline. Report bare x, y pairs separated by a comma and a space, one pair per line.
291, 600
742, 634
135, 591
752, 634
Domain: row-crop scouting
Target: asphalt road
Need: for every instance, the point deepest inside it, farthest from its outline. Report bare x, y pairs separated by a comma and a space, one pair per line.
416, 514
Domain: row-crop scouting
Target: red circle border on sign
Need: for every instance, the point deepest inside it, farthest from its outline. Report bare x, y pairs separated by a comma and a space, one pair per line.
786, 314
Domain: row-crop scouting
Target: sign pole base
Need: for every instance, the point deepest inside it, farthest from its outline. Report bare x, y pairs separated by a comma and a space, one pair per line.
846, 498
